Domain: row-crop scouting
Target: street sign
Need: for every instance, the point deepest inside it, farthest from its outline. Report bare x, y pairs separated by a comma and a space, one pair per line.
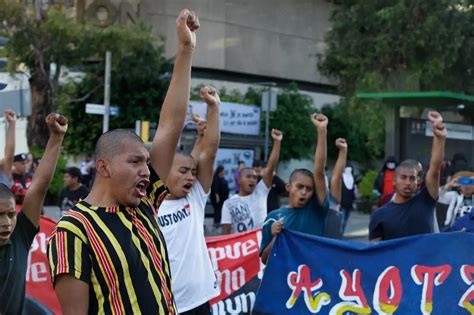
99, 109
269, 100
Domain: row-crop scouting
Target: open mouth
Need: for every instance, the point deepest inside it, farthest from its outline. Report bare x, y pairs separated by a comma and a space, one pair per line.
141, 187
4, 235
187, 187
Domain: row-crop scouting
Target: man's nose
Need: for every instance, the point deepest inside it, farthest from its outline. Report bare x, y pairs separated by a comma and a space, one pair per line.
145, 171
5, 221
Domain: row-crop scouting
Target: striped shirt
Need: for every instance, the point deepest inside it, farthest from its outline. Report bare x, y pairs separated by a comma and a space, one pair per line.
120, 252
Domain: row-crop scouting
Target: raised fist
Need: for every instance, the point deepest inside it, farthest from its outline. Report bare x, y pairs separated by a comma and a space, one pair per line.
439, 129
57, 124
320, 121
210, 96
187, 24
277, 135
434, 117
341, 144
10, 115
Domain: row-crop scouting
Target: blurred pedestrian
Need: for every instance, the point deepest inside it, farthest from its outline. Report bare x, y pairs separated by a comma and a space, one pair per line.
73, 190
21, 179
219, 193
348, 195
237, 171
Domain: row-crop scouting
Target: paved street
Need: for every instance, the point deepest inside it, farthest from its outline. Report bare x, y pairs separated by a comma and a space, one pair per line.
357, 227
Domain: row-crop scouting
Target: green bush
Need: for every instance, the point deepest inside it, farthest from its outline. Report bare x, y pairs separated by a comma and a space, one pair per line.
57, 182
367, 196
366, 186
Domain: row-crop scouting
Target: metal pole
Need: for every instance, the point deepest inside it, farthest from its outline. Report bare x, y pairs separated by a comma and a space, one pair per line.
267, 127
108, 62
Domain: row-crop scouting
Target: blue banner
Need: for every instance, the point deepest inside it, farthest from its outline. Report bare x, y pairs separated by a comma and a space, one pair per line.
426, 274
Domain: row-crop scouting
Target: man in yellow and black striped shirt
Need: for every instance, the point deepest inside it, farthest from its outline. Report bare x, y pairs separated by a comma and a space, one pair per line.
107, 255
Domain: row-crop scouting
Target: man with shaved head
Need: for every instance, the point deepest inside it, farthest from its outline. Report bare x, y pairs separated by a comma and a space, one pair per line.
412, 212
108, 255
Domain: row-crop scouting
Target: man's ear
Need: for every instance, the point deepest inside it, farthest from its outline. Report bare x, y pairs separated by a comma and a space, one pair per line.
287, 186
102, 168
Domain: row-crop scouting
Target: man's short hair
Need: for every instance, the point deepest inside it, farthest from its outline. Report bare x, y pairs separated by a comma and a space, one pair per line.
110, 144
20, 157
407, 164
301, 171
185, 154
257, 163
6, 193
246, 169
74, 172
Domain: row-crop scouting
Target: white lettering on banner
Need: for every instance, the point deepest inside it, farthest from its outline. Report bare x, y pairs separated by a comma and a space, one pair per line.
231, 280
234, 251
40, 242
36, 272
242, 303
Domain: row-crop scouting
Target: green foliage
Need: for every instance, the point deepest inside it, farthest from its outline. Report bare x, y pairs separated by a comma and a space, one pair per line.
37, 39
292, 118
361, 125
401, 44
136, 88
56, 184
366, 186
394, 45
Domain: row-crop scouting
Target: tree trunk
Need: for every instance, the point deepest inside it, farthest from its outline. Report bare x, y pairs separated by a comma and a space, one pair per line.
41, 105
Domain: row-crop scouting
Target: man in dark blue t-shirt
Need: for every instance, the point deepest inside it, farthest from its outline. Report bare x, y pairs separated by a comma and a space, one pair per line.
308, 204
409, 213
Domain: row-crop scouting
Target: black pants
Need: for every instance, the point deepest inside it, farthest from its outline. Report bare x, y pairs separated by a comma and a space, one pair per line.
217, 212
204, 309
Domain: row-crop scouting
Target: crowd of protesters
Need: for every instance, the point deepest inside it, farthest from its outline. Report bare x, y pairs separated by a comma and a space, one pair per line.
132, 219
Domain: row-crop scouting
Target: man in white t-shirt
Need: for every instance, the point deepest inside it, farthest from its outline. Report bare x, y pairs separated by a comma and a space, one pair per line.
181, 216
247, 209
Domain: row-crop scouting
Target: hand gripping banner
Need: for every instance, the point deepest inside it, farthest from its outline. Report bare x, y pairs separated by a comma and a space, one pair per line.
426, 274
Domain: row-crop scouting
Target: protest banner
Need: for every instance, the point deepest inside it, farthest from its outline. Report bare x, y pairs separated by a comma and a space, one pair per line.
238, 270
234, 258
39, 289
425, 274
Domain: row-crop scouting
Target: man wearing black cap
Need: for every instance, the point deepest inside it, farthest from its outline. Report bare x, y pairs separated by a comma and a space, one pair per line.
21, 180
73, 190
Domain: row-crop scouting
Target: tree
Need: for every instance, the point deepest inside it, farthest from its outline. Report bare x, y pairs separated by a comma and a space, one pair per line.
137, 88
292, 118
394, 45
40, 37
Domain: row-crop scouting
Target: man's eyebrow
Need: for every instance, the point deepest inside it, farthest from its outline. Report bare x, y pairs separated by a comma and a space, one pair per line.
138, 156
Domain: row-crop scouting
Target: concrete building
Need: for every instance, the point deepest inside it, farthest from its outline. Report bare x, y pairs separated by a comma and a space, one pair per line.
241, 44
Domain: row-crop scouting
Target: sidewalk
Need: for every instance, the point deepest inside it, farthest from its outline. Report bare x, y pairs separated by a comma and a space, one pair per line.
357, 228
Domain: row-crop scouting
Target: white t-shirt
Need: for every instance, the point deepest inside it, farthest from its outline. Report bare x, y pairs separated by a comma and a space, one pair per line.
246, 212
182, 224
